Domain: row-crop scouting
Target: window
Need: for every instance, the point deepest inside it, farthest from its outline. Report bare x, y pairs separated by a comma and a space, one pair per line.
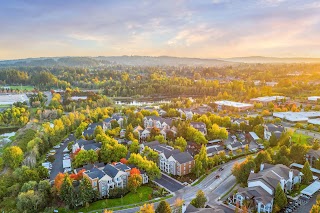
94, 183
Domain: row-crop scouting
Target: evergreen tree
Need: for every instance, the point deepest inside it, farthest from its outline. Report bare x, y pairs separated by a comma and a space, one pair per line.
200, 200
163, 207
307, 174
67, 191
273, 141
87, 193
280, 198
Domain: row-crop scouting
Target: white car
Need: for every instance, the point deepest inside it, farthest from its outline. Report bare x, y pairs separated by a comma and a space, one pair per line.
56, 147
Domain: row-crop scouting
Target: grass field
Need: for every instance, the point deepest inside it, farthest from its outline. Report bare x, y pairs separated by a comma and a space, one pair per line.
143, 192
5, 105
300, 138
28, 88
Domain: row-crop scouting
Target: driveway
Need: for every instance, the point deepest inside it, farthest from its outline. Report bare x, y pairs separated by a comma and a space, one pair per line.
169, 183
57, 165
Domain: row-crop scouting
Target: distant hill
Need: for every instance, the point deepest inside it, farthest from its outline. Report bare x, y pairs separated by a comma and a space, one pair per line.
163, 61
51, 62
106, 60
261, 59
148, 61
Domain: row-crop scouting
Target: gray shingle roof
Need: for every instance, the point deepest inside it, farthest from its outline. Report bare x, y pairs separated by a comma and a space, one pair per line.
95, 173
182, 157
110, 170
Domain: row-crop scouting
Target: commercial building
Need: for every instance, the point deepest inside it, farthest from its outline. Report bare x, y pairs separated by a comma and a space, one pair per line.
313, 98
233, 105
268, 99
297, 116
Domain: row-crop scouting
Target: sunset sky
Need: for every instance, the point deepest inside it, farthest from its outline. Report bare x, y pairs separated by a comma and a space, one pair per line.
205, 29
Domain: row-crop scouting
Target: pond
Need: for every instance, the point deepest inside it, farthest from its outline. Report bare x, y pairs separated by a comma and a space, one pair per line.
6, 138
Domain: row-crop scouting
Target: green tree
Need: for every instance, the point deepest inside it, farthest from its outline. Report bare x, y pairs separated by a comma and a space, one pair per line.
200, 200
280, 198
134, 147
13, 156
163, 207
29, 201
273, 141
180, 143
87, 193
262, 157
307, 173
243, 170
316, 145
201, 162
66, 191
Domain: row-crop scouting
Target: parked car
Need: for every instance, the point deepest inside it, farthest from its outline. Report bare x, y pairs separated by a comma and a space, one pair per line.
56, 147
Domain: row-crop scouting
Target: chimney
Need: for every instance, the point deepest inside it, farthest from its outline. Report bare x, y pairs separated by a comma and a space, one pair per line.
261, 166
291, 175
252, 171
282, 183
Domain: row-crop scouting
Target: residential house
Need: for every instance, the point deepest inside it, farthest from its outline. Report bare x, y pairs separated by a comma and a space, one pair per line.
236, 145
214, 150
262, 185
104, 178
252, 136
172, 161
272, 128
187, 112
90, 129
199, 126
312, 156
86, 145
107, 123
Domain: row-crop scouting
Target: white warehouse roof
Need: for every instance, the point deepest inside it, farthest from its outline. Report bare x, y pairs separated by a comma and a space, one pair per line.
233, 104
269, 98
297, 116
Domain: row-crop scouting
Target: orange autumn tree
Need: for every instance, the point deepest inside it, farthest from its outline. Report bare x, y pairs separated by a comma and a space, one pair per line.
78, 176
135, 180
123, 160
135, 171
58, 180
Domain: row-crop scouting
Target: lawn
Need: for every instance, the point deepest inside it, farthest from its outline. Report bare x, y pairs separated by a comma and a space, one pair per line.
28, 88
143, 192
300, 138
296, 192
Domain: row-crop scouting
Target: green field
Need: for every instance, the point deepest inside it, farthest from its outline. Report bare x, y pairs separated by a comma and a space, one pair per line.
130, 198
300, 138
5, 105
28, 88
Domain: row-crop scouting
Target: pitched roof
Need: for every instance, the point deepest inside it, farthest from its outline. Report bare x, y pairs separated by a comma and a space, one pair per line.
314, 153
110, 170
257, 193
95, 173
82, 142
182, 157
166, 150
122, 167
272, 174
92, 146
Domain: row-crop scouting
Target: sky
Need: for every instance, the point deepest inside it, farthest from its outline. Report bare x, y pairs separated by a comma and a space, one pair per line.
182, 28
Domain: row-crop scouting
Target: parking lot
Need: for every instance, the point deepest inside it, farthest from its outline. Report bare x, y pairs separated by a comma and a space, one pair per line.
169, 183
301, 205
57, 165
306, 207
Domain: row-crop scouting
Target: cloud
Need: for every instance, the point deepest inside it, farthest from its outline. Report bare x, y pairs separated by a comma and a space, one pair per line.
209, 28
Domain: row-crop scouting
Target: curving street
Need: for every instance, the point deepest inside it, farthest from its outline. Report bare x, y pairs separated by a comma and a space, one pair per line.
212, 187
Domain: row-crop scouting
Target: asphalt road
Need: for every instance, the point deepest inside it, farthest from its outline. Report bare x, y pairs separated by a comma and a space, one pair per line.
212, 187
169, 183
49, 97
57, 165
